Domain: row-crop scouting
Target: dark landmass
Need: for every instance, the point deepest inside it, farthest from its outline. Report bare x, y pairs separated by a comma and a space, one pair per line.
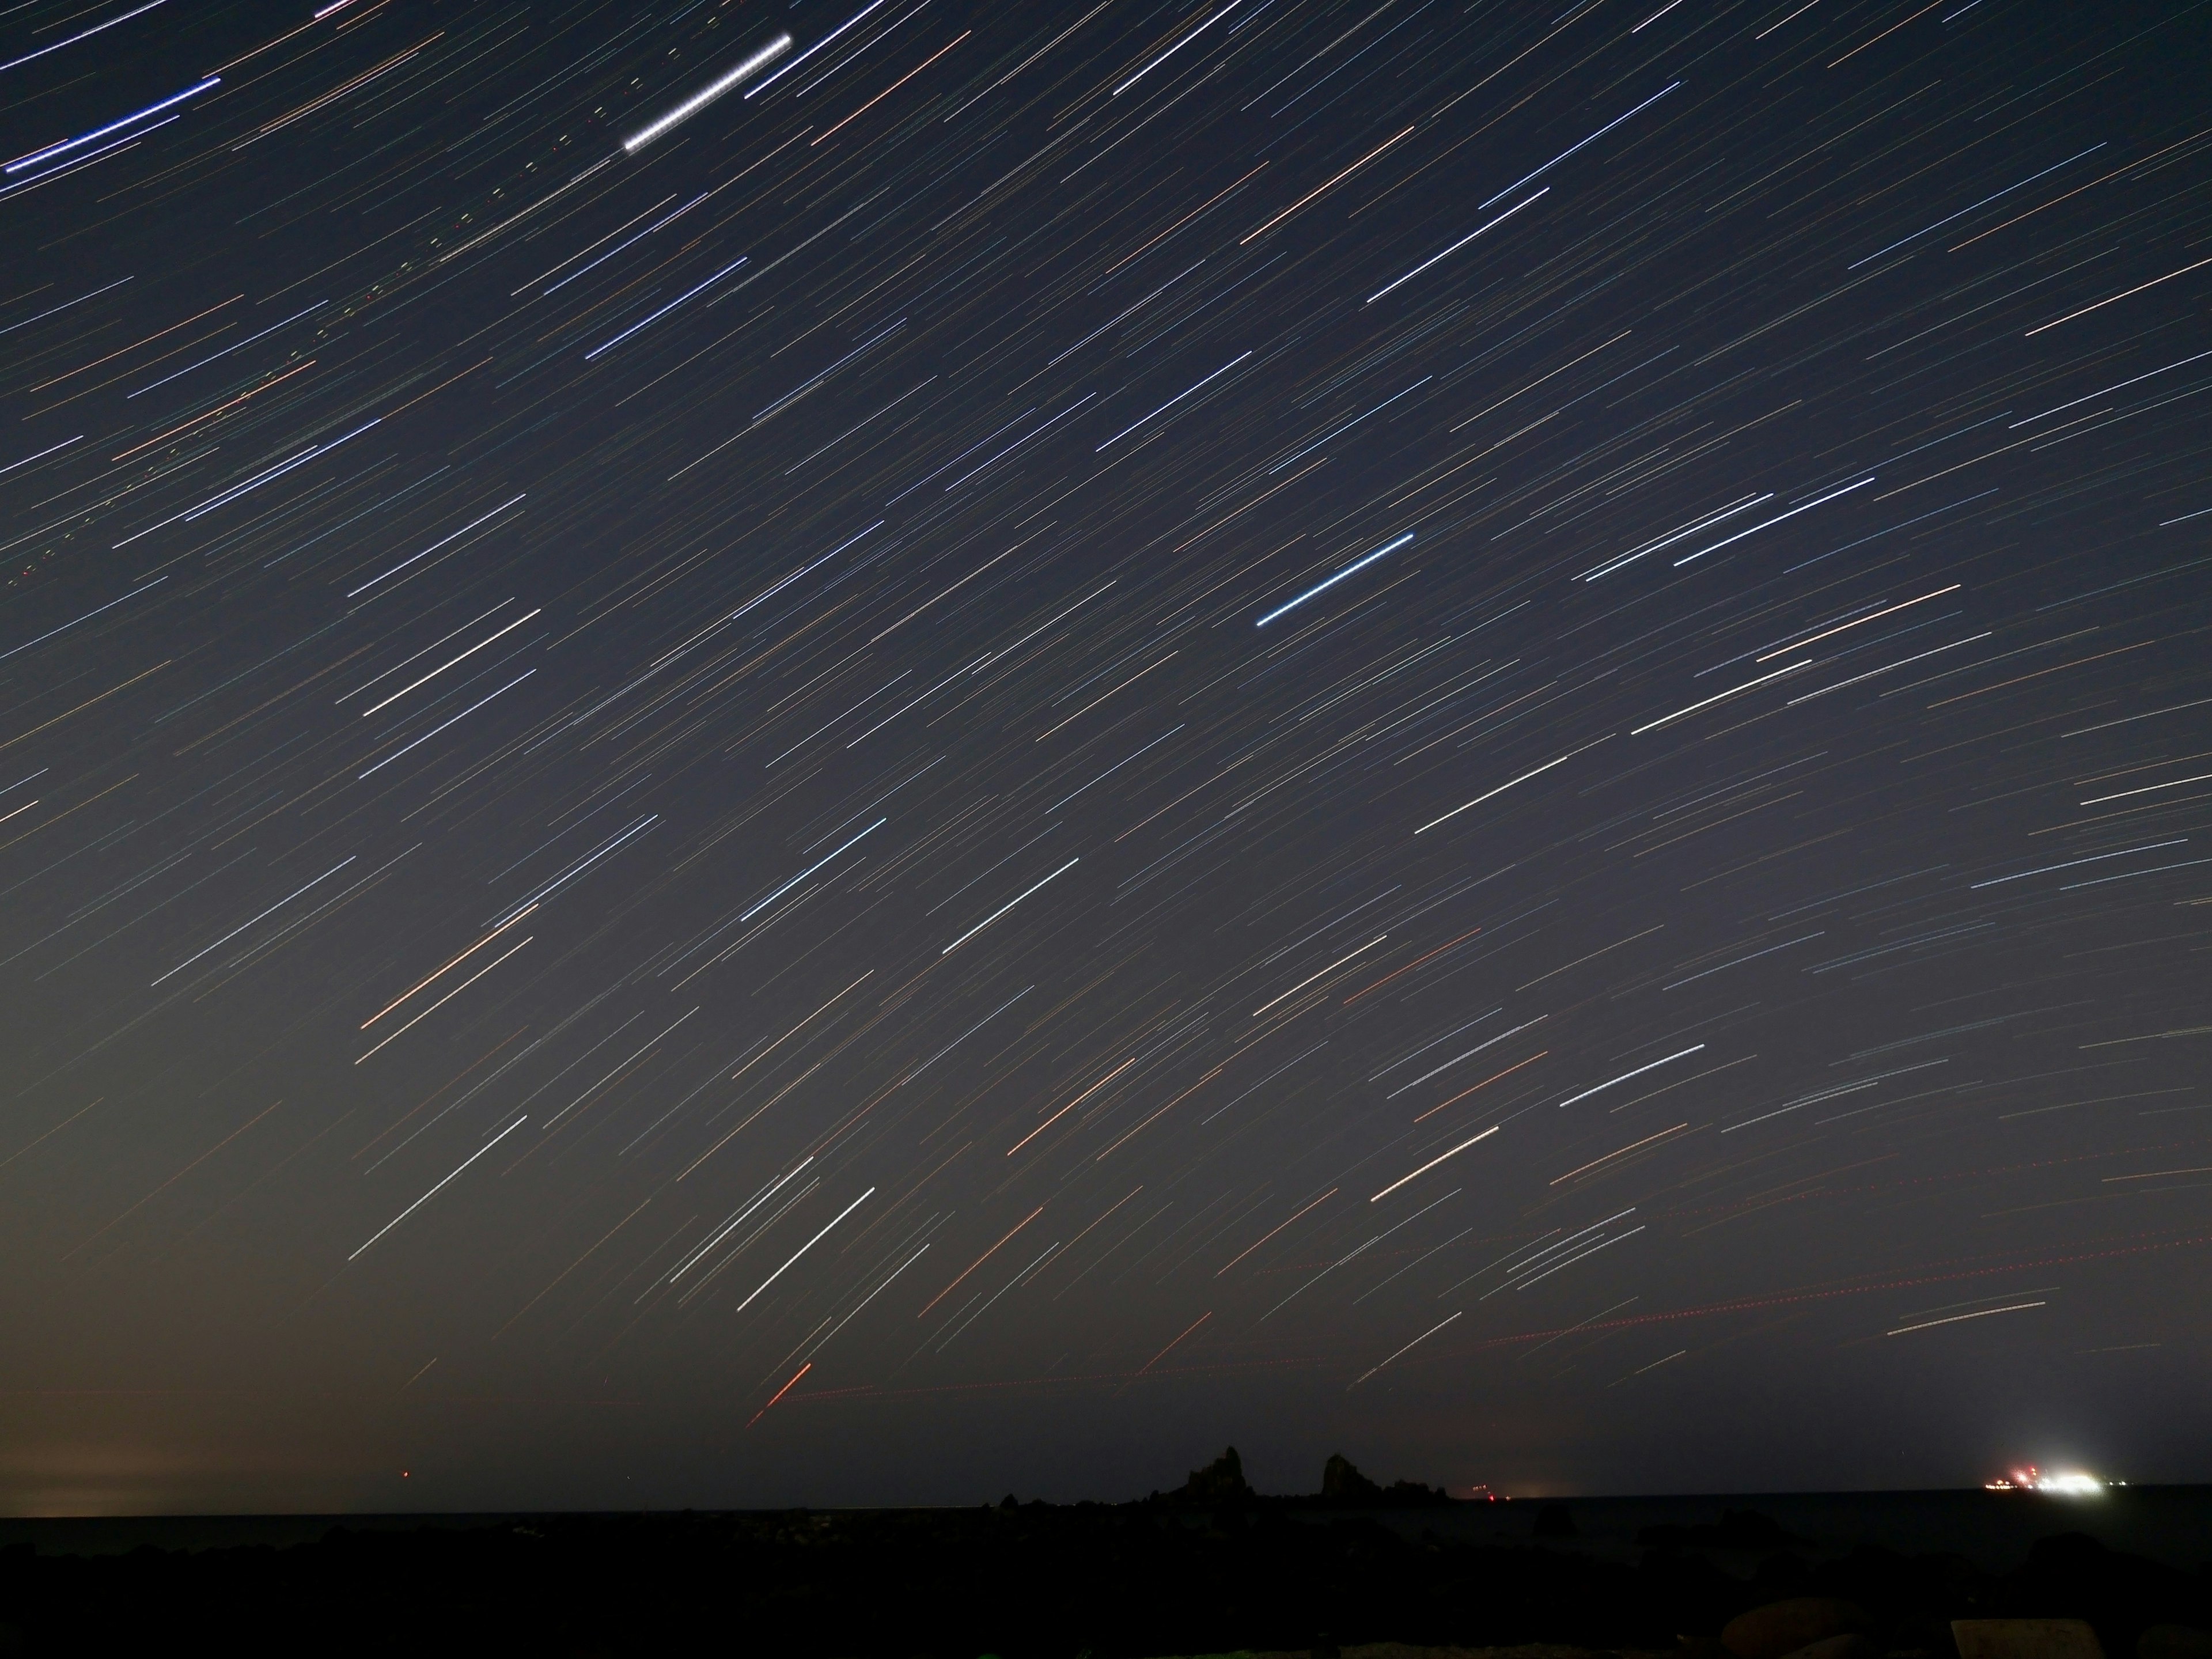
1221, 1485
1211, 1567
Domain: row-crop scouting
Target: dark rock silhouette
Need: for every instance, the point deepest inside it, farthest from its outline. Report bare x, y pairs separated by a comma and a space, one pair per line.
1219, 1485
1850, 1645
2072, 1575
2173, 1642
1343, 1487
2026, 1638
1783, 1627
1342, 1483
1555, 1521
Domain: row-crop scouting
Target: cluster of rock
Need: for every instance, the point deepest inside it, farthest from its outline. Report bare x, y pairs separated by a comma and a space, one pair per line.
1221, 1485
1825, 1627
1802, 1627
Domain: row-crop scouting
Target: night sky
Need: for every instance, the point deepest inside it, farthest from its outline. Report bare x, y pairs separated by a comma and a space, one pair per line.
862, 753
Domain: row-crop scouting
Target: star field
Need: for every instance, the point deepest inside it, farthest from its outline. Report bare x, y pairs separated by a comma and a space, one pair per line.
835, 752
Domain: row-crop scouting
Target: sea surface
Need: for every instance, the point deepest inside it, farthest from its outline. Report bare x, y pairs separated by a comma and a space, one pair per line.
2172, 1524
1993, 1530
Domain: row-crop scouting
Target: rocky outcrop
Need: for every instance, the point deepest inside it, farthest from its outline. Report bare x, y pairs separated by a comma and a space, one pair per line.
1782, 1628
1220, 1485
1343, 1487
2026, 1638
1342, 1483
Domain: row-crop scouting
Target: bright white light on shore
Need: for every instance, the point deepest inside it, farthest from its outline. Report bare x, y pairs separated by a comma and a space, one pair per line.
2070, 1486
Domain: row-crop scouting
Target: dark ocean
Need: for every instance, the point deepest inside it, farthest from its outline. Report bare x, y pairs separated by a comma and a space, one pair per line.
2170, 1524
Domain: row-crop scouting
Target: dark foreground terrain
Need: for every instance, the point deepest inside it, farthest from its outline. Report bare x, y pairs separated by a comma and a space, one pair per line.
1208, 1569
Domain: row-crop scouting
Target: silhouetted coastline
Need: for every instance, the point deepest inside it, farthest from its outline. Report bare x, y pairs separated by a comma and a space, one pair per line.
1210, 1566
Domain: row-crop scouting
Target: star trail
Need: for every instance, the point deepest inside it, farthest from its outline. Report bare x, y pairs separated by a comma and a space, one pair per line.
835, 750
